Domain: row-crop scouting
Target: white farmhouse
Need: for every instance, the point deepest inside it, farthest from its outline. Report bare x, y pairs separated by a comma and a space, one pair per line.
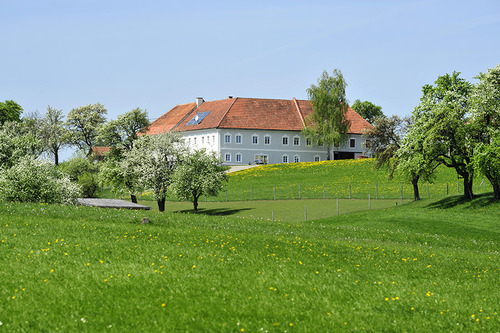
253, 130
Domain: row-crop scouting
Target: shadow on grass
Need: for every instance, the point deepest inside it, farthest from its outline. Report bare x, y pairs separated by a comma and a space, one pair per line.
480, 200
216, 211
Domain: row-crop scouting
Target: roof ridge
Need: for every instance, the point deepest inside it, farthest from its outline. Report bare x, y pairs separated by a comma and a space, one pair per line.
227, 111
299, 111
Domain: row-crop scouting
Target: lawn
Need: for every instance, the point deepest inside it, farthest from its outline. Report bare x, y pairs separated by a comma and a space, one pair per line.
426, 266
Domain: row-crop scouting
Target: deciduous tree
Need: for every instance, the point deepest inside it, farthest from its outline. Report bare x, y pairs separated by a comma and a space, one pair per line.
367, 110
328, 121
54, 132
156, 157
200, 173
84, 123
10, 111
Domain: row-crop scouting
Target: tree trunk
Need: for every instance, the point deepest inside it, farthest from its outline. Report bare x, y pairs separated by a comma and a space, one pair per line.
195, 205
416, 193
468, 194
133, 198
161, 205
496, 187
56, 157
328, 153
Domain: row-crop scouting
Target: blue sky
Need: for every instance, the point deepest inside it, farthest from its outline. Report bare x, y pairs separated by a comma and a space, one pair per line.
157, 54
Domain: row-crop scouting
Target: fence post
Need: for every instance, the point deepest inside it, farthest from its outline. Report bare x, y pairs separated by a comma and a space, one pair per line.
349, 190
447, 189
273, 216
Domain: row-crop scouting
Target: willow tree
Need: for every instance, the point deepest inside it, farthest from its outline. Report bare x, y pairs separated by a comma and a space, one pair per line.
328, 122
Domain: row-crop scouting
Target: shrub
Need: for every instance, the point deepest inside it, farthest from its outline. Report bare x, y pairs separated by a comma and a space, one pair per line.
89, 184
33, 180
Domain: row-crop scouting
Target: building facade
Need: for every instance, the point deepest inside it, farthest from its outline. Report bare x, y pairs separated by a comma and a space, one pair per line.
249, 130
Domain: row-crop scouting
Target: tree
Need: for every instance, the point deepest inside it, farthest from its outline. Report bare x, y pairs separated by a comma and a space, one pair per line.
16, 142
328, 121
84, 123
54, 133
156, 157
10, 111
485, 122
122, 133
367, 110
199, 174
121, 172
384, 139
443, 116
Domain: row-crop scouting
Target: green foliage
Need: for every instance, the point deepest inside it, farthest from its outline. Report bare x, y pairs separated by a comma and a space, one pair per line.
485, 106
441, 121
367, 110
54, 133
15, 144
32, 180
84, 173
154, 158
10, 111
329, 121
200, 173
423, 267
84, 123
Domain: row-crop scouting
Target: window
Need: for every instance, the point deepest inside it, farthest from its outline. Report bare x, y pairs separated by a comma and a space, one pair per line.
296, 141
267, 140
285, 141
202, 140
308, 142
194, 140
320, 143
227, 157
227, 138
208, 139
317, 158
285, 159
352, 143
296, 159
238, 138
238, 157
255, 139
213, 138
189, 141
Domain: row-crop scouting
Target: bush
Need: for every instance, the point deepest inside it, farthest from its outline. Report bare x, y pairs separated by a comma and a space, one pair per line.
89, 184
33, 180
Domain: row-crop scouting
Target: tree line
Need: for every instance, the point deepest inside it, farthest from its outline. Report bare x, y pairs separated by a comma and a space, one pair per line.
134, 161
456, 124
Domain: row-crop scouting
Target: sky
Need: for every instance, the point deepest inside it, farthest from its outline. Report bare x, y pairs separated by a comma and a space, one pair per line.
156, 54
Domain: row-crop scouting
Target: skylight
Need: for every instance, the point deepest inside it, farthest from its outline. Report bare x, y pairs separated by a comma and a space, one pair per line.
198, 118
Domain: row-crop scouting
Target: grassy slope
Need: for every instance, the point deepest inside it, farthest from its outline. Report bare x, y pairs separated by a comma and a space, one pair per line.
424, 266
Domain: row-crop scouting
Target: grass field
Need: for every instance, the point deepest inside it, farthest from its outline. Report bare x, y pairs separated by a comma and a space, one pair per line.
426, 266
342, 179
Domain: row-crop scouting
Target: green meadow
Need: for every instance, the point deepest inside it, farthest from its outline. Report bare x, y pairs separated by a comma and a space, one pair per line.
294, 265
423, 266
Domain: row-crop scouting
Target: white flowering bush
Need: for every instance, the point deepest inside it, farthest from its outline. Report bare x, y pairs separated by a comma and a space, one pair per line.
33, 180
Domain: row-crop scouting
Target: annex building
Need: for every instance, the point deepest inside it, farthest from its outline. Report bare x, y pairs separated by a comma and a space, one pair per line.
254, 130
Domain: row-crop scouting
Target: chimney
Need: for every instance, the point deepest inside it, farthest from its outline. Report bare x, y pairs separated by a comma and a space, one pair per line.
230, 97
199, 101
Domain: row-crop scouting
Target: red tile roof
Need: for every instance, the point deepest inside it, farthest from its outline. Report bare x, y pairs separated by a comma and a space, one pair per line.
246, 113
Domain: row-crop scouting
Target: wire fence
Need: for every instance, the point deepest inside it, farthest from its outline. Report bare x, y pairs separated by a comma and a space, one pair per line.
325, 190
